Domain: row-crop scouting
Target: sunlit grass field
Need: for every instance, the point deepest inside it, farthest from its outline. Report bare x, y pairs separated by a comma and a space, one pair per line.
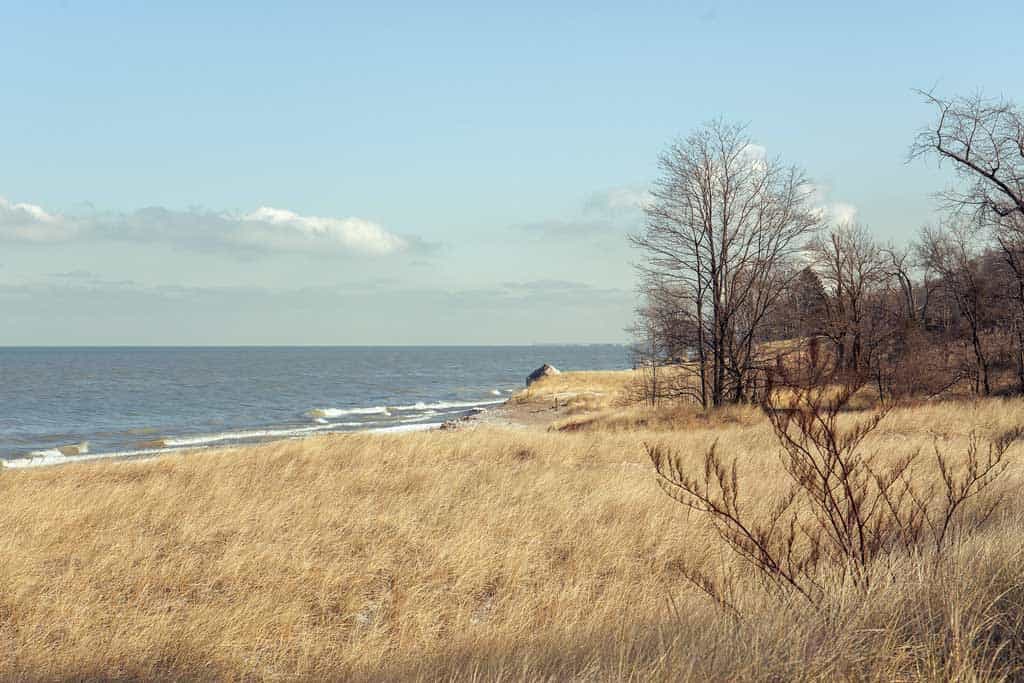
478, 554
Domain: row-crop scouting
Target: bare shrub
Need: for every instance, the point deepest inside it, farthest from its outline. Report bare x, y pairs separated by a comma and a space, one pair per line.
846, 510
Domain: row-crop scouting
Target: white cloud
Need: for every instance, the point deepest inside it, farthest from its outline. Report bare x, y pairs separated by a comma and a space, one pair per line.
617, 200
614, 211
841, 213
31, 223
266, 229
755, 155
755, 152
283, 229
835, 213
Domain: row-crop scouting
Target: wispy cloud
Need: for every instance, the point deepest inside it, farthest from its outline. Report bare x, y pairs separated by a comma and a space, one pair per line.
552, 292
283, 229
565, 228
841, 213
75, 275
829, 210
266, 229
755, 152
617, 201
615, 210
31, 223
96, 311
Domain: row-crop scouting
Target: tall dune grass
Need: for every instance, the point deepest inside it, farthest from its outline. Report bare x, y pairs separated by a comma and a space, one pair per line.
579, 391
483, 554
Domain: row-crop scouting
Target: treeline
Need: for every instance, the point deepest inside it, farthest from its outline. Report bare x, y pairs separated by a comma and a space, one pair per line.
745, 280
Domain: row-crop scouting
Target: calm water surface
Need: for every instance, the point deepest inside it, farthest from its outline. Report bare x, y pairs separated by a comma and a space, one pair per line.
135, 401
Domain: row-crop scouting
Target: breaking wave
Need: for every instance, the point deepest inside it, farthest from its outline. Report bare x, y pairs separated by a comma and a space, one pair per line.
421, 427
419, 416
447, 405
341, 412
52, 456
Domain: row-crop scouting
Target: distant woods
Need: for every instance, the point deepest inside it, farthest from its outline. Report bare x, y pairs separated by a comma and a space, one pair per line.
742, 274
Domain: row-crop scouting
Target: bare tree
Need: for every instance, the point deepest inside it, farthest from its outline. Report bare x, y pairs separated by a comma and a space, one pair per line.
1009, 238
853, 271
984, 139
721, 232
802, 313
910, 290
663, 335
955, 255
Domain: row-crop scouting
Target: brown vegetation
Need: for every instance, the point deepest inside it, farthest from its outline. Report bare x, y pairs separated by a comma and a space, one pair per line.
487, 554
580, 391
843, 512
732, 257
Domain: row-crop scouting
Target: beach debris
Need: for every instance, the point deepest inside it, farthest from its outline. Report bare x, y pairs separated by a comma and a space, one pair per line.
459, 422
541, 372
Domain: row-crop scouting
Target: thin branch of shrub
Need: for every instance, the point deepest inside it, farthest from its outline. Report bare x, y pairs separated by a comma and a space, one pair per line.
846, 508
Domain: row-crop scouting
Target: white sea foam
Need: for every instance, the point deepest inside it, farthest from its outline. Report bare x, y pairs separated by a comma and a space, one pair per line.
495, 392
421, 427
321, 414
425, 420
446, 405
52, 456
341, 412
429, 415
244, 435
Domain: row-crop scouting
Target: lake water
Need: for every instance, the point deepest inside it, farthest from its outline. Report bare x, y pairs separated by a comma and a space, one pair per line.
128, 402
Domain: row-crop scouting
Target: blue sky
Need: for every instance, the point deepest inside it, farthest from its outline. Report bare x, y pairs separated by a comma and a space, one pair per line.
295, 173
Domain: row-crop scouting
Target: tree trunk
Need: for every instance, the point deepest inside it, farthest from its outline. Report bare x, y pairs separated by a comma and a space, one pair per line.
979, 357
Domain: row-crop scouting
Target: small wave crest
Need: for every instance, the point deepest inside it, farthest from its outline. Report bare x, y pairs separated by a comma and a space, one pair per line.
243, 435
322, 415
446, 405
397, 429
421, 415
341, 412
53, 456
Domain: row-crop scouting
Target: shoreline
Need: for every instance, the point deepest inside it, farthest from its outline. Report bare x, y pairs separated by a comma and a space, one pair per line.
512, 414
532, 408
87, 404
506, 415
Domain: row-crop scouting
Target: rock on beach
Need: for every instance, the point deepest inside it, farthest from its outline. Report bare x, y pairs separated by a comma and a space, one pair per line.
543, 371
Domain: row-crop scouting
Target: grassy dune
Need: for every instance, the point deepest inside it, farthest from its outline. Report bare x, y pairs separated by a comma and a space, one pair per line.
482, 554
580, 392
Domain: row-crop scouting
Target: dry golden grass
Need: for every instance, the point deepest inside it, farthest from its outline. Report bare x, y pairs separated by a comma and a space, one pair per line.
663, 418
865, 398
579, 391
486, 554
